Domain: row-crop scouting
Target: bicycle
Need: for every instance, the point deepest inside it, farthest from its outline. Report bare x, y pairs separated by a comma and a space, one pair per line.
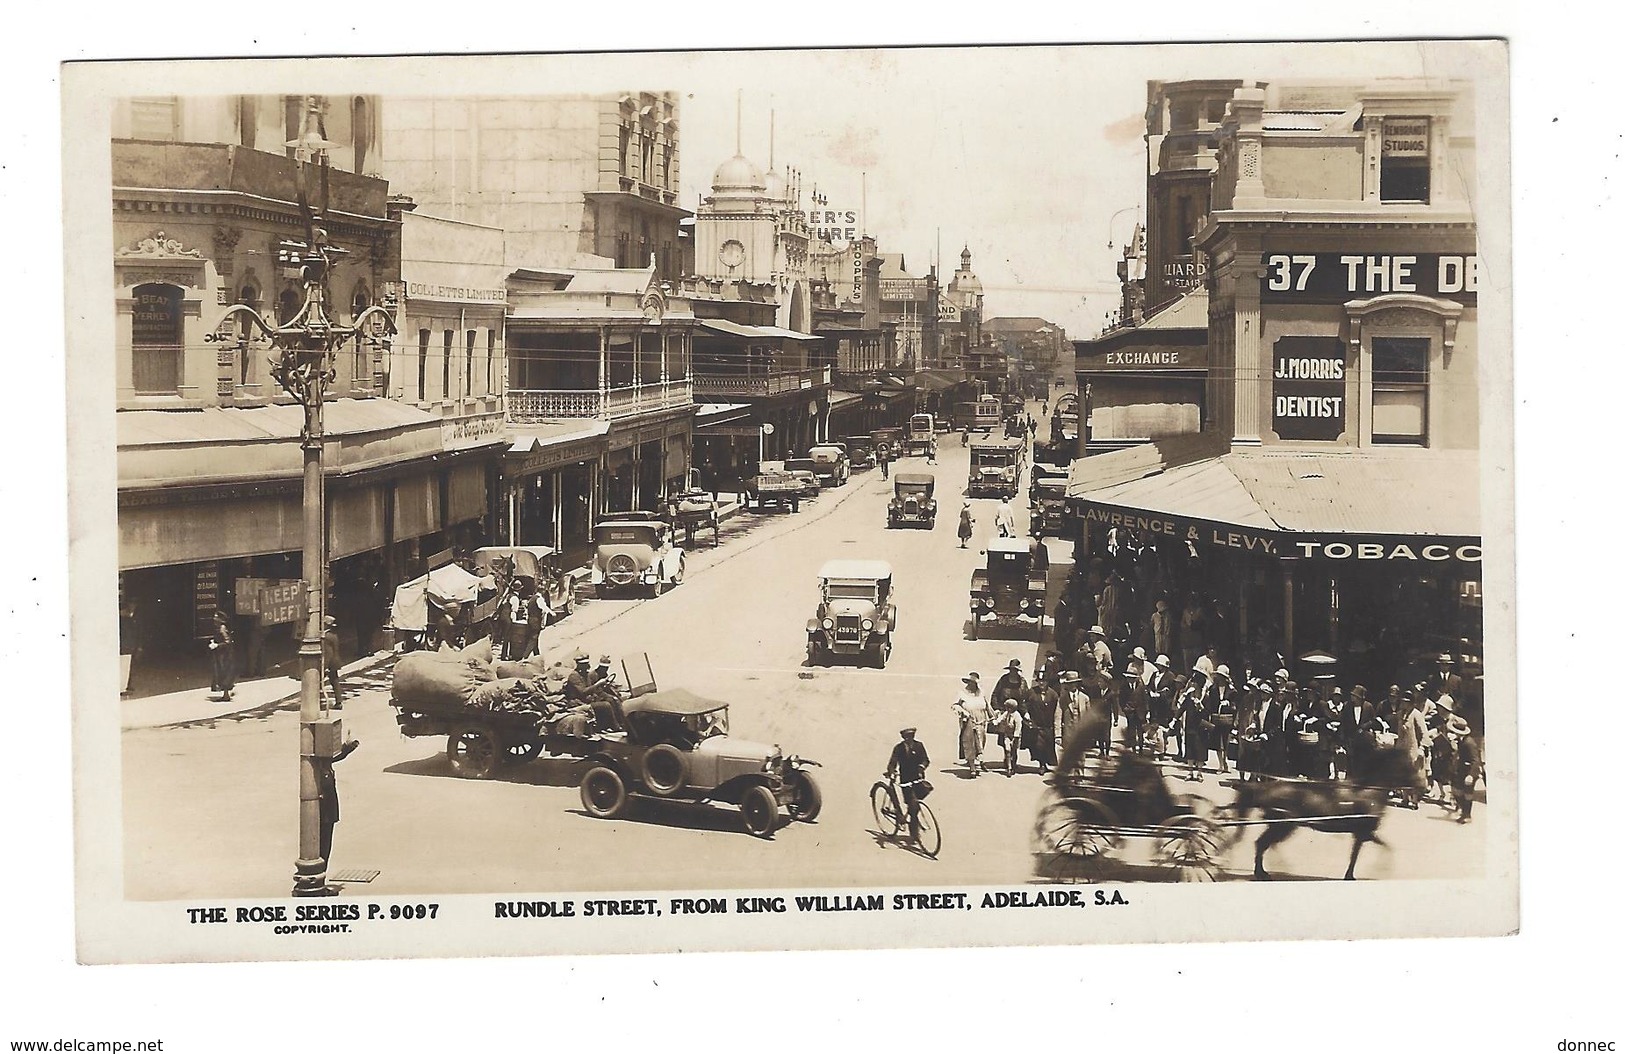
892, 819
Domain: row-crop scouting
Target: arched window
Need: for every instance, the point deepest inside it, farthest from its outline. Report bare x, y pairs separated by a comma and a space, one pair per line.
361, 366
249, 295
287, 306
156, 339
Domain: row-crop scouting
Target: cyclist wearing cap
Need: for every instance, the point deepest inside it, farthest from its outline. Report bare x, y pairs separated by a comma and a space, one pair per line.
907, 769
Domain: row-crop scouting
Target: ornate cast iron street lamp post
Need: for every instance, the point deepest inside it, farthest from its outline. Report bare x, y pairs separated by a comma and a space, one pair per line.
304, 349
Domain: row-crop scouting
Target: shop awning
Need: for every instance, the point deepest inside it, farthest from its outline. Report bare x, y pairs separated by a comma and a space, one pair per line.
538, 437
734, 329
1291, 502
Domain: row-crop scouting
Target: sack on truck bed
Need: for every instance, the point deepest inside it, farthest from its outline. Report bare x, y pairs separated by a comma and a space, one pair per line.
509, 695
436, 677
533, 669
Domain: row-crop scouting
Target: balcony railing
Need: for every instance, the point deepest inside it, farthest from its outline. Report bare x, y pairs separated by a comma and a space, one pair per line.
760, 385
533, 406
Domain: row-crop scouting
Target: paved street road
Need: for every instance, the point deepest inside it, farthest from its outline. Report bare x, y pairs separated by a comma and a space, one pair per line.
211, 810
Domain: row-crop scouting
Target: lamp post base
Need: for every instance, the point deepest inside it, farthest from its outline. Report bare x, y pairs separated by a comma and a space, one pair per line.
310, 879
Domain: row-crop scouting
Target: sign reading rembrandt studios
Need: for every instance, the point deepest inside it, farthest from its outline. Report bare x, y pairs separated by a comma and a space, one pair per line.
1306, 389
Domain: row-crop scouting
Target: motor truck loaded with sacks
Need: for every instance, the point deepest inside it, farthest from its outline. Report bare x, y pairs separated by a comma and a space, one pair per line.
1009, 591
635, 739
995, 468
632, 550
912, 501
856, 612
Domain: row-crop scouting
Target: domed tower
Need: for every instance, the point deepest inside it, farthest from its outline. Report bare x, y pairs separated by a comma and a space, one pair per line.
733, 228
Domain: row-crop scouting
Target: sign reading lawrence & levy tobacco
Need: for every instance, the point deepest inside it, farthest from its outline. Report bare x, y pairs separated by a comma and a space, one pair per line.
1307, 397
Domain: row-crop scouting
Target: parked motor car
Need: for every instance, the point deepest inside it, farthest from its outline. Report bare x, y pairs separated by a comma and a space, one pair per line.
1042, 471
1047, 506
806, 470
674, 744
857, 612
830, 464
634, 549
1009, 591
913, 500
995, 468
860, 451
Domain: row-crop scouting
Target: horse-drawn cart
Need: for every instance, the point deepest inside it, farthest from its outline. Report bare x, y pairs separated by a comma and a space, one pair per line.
1085, 816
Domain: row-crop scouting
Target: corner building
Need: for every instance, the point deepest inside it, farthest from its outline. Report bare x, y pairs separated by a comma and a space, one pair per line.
1331, 501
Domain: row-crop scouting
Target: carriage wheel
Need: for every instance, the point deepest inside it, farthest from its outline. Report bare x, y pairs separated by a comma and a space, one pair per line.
1192, 845
474, 751
1073, 837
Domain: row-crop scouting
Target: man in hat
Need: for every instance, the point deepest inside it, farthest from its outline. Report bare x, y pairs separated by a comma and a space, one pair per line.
907, 768
1159, 704
1469, 766
1223, 709
330, 658
578, 687
1445, 681
1132, 693
1099, 651
1074, 706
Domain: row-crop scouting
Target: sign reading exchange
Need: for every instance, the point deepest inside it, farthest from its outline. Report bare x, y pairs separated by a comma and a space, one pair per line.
1306, 388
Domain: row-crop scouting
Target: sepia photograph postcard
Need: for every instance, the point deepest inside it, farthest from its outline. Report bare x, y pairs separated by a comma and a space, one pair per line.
782, 499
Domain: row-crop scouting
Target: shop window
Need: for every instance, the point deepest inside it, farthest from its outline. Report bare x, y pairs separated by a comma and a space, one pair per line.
156, 335
1399, 390
1406, 160
626, 145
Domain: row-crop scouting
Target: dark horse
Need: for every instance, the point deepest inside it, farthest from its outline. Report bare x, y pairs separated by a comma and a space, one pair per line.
1337, 807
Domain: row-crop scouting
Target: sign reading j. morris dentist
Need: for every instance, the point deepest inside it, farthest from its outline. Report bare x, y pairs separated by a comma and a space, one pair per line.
1306, 388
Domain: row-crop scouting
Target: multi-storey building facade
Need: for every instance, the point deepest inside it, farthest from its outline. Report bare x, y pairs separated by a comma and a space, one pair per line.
565, 177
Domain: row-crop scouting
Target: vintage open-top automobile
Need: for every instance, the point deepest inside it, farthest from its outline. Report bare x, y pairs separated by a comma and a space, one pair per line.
995, 468
830, 464
913, 500
1009, 591
674, 744
856, 612
634, 549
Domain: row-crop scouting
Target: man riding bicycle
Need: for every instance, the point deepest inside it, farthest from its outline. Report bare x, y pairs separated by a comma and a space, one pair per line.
906, 770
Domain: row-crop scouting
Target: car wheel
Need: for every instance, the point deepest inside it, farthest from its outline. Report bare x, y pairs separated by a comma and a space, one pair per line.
659, 586
883, 655
809, 800
665, 770
973, 621
759, 811
677, 579
473, 752
814, 652
603, 793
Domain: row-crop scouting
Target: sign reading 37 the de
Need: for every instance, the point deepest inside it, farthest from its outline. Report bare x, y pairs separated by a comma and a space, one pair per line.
1335, 278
